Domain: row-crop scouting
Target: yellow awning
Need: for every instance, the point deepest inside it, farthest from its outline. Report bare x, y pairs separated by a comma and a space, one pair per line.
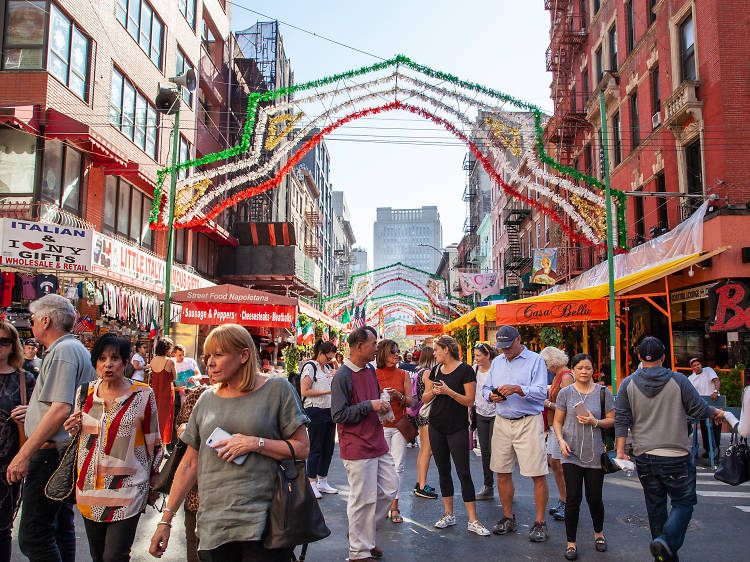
622, 285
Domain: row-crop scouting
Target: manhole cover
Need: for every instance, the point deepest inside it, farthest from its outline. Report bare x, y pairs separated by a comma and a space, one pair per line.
636, 520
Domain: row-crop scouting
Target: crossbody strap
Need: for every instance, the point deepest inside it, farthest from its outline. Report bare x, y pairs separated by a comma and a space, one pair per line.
291, 450
22, 386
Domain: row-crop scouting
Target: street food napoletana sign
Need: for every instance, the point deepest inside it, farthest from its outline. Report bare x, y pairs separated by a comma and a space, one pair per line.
214, 314
551, 312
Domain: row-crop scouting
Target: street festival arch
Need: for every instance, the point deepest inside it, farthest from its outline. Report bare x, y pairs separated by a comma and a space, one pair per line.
276, 130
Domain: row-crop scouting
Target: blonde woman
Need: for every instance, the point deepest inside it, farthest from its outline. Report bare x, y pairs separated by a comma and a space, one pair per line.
260, 413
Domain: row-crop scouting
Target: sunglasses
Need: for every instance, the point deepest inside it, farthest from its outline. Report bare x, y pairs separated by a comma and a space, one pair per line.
6, 341
395, 352
484, 347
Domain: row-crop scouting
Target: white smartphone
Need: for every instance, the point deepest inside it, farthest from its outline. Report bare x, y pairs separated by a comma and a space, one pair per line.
580, 409
217, 436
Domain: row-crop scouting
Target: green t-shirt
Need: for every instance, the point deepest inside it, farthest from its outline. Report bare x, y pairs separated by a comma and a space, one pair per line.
234, 499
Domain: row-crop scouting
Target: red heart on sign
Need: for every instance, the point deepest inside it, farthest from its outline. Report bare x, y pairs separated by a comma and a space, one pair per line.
33, 245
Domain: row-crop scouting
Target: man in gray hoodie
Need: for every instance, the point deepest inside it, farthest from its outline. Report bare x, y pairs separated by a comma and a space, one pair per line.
655, 403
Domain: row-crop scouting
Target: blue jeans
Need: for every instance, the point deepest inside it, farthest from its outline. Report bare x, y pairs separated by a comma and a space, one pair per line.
673, 476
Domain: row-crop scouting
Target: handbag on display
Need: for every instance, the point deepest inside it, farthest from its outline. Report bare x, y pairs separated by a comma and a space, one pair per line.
61, 485
294, 517
734, 465
163, 480
608, 456
407, 429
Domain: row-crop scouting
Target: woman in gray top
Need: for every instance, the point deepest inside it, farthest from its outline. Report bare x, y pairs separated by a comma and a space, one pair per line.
259, 413
580, 438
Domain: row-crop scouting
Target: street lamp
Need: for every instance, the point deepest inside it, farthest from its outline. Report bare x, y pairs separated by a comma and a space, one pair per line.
168, 103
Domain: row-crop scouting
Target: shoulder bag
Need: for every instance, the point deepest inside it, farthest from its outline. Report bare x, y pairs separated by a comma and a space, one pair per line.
734, 465
61, 485
294, 517
163, 480
22, 392
608, 456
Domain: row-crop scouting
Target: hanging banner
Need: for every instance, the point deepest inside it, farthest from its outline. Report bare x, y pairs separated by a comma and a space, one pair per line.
424, 330
552, 312
730, 307
213, 314
482, 283
544, 268
45, 246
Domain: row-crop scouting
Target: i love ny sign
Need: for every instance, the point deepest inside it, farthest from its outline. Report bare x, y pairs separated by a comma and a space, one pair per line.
45, 246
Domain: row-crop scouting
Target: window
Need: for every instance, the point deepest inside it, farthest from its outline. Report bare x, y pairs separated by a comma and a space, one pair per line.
144, 26
68, 56
127, 211
184, 156
582, 10
613, 48
180, 243
651, 12
630, 25
661, 202
635, 128
133, 114
617, 137
183, 65
187, 9
694, 168
640, 220
585, 83
61, 175
588, 158
17, 162
204, 254
655, 93
574, 101
599, 61
687, 50
25, 23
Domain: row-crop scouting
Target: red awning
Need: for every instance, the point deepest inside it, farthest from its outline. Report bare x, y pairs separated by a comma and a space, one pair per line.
216, 232
24, 117
61, 126
232, 294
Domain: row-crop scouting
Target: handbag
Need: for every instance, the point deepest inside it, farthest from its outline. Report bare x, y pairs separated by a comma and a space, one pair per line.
163, 481
294, 517
22, 391
407, 429
61, 485
607, 458
734, 466
424, 411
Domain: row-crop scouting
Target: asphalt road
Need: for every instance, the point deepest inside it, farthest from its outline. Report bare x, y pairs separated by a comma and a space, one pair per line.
720, 529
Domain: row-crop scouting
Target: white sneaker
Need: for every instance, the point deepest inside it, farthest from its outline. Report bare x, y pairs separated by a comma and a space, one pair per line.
325, 488
478, 528
446, 520
316, 492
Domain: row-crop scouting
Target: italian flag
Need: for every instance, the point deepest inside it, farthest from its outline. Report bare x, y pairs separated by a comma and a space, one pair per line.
308, 336
152, 330
300, 335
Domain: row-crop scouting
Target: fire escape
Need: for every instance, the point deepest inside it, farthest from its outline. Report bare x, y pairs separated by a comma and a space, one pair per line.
471, 224
515, 262
568, 35
314, 244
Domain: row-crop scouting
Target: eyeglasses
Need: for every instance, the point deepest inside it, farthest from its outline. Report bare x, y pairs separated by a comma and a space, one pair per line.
6, 341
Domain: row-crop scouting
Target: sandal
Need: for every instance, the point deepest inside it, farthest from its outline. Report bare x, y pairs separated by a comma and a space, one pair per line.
600, 543
571, 553
395, 518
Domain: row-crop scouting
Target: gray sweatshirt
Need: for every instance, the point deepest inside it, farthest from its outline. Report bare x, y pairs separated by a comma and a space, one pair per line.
655, 404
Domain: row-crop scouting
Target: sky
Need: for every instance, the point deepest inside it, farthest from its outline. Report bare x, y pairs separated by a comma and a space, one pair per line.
394, 160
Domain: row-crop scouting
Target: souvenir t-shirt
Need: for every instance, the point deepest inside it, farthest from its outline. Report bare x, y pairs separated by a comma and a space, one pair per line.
447, 415
45, 284
17, 288
185, 369
6, 289
29, 290
585, 441
236, 509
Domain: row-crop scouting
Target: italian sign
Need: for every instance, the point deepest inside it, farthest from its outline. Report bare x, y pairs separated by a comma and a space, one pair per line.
45, 246
730, 307
554, 312
213, 314
543, 270
424, 330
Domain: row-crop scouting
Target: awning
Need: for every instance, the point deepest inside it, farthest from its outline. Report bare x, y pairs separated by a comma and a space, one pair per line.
22, 116
232, 294
316, 314
217, 233
266, 234
61, 126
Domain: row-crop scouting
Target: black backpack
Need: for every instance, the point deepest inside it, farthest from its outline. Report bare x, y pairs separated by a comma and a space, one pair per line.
296, 378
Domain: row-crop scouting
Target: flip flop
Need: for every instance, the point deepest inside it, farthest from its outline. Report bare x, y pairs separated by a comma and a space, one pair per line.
395, 518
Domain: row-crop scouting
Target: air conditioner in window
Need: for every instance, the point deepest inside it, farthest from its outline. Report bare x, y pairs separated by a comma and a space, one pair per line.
656, 120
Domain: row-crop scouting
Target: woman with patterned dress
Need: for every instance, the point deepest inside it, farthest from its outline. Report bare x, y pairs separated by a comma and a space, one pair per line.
163, 374
119, 451
12, 415
421, 488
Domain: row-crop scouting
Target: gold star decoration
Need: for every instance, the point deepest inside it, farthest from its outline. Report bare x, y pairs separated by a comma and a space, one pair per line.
182, 203
275, 136
509, 136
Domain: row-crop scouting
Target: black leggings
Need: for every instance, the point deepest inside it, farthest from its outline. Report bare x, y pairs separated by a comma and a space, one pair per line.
456, 445
485, 426
575, 477
111, 541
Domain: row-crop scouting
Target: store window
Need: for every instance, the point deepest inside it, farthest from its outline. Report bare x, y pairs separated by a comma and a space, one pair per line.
69, 53
144, 26
17, 162
187, 9
183, 65
25, 23
687, 50
127, 211
62, 176
635, 127
133, 114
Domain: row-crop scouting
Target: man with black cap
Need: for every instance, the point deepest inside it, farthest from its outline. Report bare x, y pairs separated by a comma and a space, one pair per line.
31, 362
517, 384
654, 403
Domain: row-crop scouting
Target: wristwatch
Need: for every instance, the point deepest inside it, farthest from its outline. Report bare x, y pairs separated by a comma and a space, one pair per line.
261, 444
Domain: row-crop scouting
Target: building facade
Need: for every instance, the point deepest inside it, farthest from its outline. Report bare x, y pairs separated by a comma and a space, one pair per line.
359, 263
343, 242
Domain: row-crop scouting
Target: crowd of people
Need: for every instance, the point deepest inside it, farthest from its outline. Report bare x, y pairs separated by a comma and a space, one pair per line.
538, 412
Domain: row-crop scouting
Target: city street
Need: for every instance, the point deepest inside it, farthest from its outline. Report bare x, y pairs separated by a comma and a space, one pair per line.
721, 510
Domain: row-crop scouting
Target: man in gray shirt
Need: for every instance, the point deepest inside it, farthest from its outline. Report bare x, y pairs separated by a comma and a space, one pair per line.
654, 403
46, 529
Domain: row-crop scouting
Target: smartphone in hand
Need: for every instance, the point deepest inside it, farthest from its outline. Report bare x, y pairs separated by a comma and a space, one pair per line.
580, 409
217, 436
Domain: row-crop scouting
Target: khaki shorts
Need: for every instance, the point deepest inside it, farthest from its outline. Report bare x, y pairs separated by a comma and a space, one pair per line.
522, 440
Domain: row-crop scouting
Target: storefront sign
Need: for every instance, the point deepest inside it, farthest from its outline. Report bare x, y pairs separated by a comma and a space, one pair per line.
424, 330
730, 307
556, 312
691, 294
45, 246
213, 314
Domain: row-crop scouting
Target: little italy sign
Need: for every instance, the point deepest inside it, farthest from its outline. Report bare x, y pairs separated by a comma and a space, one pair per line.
551, 312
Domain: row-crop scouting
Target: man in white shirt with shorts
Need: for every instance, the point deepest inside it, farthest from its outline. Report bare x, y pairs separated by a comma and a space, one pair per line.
706, 382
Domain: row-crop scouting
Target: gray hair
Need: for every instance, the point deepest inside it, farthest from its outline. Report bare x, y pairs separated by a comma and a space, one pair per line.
554, 357
58, 309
